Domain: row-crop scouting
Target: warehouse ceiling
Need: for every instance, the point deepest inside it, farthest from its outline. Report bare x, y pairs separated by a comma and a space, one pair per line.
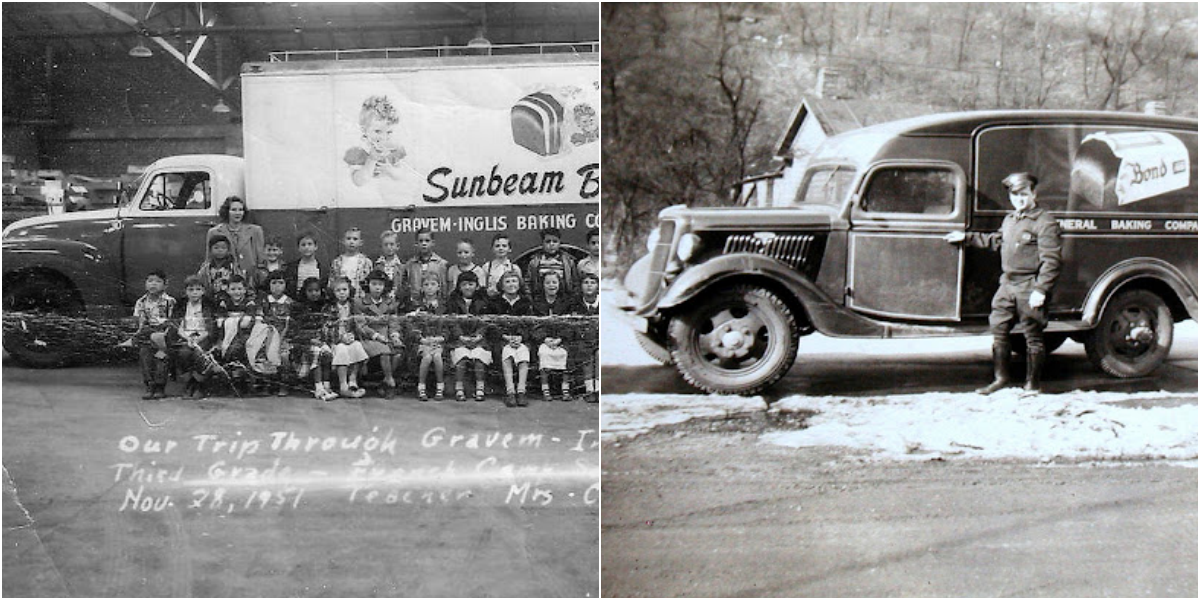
112, 29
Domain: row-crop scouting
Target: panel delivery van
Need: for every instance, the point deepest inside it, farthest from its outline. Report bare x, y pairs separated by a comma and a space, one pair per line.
726, 293
483, 145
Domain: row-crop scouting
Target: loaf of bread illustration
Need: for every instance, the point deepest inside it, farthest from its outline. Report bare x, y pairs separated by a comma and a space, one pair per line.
552, 121
537, 123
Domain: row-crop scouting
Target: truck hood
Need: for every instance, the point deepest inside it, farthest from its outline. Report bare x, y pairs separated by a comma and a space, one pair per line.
53, 225
751, 218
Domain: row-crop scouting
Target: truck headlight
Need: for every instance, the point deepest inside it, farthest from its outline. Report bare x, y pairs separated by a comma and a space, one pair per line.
689, 244
652, 239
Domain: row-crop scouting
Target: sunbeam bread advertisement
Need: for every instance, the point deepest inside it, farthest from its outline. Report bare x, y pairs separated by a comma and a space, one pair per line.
480, 135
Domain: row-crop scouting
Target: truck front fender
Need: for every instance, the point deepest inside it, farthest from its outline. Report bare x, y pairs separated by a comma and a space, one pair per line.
1128, 271
821, 311
84, 266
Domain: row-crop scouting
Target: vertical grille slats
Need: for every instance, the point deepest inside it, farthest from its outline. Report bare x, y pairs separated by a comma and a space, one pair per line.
791, 249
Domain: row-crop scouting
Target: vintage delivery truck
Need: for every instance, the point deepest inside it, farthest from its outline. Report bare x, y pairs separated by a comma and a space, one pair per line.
478, 145
726, 293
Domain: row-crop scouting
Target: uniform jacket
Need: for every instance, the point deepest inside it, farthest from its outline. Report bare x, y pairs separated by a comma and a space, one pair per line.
1030, 245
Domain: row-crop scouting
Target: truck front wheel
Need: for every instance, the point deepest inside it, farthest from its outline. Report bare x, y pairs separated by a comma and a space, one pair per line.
32, 305
739, 340
653, 347
1133, 336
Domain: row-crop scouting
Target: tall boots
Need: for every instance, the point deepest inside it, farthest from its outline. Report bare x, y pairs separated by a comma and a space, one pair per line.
1000, 355
1033, 379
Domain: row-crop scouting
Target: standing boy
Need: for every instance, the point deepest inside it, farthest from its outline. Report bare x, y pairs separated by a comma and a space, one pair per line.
1030, 245
426, 262
552, 259
591, 262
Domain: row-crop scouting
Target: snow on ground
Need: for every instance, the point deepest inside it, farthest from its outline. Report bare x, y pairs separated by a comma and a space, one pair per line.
1076, 425
626, 415
1004, 425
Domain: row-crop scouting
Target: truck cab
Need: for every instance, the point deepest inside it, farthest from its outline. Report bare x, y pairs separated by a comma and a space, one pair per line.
92, 264
725, 294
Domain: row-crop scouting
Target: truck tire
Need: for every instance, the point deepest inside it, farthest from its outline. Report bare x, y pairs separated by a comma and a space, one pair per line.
655, 348
27, 342
739, 340
1133, 336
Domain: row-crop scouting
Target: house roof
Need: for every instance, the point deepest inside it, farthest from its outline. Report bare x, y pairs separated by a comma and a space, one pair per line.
839, 116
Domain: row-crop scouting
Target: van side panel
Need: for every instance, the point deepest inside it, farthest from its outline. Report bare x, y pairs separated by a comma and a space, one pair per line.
1090, 248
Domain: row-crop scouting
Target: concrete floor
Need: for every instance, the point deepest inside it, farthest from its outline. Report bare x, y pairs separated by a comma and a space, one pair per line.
518, 517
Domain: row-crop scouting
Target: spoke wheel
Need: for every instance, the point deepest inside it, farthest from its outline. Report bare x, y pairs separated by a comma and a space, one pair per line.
1134, 335
735, 341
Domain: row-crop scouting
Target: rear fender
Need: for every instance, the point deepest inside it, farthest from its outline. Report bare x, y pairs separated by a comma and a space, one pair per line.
1126, 272
83, 265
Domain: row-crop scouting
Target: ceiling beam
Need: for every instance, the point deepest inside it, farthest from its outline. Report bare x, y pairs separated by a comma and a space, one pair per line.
250, 30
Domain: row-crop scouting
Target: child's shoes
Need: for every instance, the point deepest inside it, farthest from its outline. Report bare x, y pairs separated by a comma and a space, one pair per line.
460, 396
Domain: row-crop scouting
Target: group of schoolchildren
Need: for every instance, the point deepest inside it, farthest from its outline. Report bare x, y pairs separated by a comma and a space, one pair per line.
299, 320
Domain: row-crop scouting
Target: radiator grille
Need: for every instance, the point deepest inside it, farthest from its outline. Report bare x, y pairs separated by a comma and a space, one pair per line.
794, 250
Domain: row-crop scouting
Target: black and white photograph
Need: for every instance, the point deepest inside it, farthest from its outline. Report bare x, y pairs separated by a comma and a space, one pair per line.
899, 299
301, 299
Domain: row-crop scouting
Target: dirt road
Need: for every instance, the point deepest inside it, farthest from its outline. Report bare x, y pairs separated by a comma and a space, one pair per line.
694, 512
109, 495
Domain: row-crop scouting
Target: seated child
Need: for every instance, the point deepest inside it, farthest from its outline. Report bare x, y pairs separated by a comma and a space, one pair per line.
552, 351
514, 354
374, 311
470, 336
587, 343
192, 339
431, 335
152, 311
552, 302
310, 352
266, 347
237, 315
349, 356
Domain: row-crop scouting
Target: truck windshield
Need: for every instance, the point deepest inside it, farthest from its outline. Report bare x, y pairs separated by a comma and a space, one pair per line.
826, 186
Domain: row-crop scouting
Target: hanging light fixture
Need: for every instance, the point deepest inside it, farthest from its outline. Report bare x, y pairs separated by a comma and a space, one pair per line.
479, 41
220, 107
140, 51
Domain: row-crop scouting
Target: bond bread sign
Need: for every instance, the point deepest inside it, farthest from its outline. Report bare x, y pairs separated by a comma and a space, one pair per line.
1115, 169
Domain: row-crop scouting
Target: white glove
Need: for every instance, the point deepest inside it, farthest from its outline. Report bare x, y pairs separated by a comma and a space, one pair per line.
1036, 299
